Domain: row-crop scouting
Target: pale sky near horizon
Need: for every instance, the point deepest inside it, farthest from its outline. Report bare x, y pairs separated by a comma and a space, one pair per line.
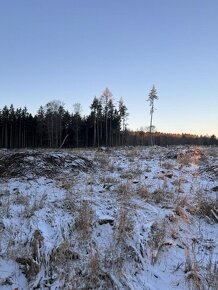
72, 50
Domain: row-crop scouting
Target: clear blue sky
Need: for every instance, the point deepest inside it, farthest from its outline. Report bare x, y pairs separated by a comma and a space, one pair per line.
72, 49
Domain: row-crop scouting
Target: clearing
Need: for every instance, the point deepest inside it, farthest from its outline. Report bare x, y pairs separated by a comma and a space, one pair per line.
135, 218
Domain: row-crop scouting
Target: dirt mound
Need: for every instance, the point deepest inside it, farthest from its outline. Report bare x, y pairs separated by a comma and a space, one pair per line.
187, 155
36, 163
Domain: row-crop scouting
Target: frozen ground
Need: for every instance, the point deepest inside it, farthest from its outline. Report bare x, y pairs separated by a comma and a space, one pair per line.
129, 218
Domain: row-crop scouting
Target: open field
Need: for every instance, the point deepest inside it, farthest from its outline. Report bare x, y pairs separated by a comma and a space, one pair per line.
135, 218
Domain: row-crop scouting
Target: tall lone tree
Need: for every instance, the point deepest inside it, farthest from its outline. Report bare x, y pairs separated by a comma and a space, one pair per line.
106, 96
151, 97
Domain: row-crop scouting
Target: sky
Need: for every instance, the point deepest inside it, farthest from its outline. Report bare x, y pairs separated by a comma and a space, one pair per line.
71, 50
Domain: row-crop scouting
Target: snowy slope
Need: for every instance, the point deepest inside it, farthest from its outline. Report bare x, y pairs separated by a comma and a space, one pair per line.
128, 218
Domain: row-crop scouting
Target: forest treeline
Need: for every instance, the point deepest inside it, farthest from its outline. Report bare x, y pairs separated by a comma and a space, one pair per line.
165, 139
106, 125
53, 126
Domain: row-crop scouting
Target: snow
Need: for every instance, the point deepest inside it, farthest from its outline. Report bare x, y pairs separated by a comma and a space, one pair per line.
121, 218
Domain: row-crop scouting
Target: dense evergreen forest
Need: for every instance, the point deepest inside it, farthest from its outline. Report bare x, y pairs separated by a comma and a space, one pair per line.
106, 125
54, 127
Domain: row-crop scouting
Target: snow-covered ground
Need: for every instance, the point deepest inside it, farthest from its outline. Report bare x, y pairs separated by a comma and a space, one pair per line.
143, 218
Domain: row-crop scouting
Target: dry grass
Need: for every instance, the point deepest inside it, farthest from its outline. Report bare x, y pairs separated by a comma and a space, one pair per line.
178, 183
144, 193
124, 192
162, 194
65, 183
124, 225
94, 268
192, 270
156, 239
192, 156
37, 205
158, 196
111, 167
137, 170
183, 208
211, 275
21, 199
36, 244
92, 276
69, 202
132, 153
102, 159
63, 253
200, 278
31, 262
152, 151
84, 220
184, 159
207, 207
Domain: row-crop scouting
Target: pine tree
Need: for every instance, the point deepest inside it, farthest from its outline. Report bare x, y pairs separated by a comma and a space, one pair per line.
152, 96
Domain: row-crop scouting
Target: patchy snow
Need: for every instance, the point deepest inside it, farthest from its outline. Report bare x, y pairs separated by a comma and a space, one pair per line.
123, 218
